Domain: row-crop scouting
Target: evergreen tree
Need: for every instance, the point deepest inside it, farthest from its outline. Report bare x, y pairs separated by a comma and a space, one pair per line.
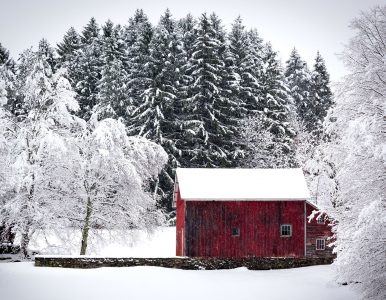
112, 43
85, 69
207, 125
321, 95
137, 36
90, 32
299, 82
112, 91
67, 48
155, 117
5, 59
188, 36
187, 33
112, 95
246, 64
7, 81
48, 52
275, 105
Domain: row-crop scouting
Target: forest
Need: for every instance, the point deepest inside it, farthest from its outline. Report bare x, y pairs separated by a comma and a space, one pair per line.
93, 128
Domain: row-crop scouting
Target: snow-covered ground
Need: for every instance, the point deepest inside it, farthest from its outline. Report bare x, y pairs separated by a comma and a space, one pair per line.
19, 281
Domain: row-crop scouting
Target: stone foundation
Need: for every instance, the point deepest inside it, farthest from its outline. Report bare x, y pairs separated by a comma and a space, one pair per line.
255, 263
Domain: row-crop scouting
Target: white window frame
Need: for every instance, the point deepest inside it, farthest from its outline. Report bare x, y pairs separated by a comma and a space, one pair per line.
320, 220
322, 245
290, 230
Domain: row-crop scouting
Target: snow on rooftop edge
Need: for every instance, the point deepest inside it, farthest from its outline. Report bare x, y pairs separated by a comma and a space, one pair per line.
242, 184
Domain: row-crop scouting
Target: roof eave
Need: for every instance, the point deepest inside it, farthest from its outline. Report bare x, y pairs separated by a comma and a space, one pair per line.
245, 199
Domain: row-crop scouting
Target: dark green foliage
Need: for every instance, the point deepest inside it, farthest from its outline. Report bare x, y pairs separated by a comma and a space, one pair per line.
5, 59
137, 35
155, 117
67, 48
275, 104
209, 117
112, 95
321, 95
85, 69
299, 83
46, 51
189, 86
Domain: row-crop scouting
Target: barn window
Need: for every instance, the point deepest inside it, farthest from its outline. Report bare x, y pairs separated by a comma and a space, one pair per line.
320, 244
235, 231
286, 230
320, 220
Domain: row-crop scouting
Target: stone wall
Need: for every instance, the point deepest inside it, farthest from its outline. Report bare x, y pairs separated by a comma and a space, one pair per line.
255, 263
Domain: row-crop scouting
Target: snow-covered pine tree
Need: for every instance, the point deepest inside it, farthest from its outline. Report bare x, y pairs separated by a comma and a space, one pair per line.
112, 87
85, 69
90, 32
246, 61
188, 36
230, 105
39, 147
299, 82
67, 48
48, 52
155, 117
257, 52
137, 36
246, 66
7, 81
112, 43
321, 95
275, 105
208, 131
310, 145
5, 59
187, 32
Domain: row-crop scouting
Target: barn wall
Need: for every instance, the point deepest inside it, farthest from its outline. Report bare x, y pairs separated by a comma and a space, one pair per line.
317, 231
209, 224
180, 224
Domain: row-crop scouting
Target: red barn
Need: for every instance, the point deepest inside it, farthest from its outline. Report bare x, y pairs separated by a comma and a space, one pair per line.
246, 213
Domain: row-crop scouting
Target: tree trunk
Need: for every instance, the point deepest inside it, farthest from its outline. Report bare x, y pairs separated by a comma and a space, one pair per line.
25, 238
86, 227
156, 189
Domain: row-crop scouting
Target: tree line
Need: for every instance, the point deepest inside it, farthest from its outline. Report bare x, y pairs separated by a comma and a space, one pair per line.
189, 85
93, 109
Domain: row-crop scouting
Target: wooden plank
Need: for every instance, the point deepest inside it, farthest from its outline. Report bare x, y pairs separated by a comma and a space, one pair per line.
208, 228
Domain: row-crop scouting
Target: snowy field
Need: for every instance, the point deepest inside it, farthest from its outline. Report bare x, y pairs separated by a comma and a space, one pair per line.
19, 281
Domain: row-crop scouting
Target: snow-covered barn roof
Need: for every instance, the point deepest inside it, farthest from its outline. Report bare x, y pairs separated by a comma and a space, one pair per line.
242, 184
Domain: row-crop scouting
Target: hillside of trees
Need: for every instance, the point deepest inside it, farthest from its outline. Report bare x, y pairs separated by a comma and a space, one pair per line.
188, 85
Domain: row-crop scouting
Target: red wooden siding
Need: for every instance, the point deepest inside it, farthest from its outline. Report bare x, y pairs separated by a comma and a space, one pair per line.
317, 231
180, 224
208, 228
